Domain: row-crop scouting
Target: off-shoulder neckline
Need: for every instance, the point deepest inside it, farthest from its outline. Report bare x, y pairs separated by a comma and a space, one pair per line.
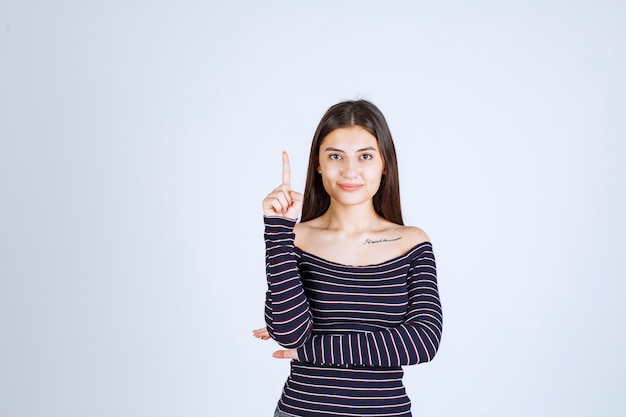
378, 264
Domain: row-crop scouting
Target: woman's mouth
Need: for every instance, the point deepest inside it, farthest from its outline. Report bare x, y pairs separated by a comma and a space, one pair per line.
350, 187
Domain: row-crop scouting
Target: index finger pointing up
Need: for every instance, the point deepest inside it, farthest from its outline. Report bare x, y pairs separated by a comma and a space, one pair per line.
286, 170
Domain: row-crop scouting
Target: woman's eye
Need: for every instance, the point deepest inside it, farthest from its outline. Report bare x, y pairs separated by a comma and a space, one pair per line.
366, 156
334, 156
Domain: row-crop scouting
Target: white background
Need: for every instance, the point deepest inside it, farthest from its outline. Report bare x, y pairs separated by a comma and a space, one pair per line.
138, 138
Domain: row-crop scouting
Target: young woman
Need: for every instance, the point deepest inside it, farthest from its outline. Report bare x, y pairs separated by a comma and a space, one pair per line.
352, 292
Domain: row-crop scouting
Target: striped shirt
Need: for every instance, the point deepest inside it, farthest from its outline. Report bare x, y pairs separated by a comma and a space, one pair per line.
354, 327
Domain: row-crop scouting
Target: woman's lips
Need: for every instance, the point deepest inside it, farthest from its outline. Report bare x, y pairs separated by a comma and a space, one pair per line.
350, 187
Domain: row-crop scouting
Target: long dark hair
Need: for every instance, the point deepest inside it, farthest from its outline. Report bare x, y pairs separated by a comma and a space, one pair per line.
368, 116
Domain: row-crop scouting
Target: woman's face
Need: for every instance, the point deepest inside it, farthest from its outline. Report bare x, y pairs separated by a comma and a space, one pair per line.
351, 165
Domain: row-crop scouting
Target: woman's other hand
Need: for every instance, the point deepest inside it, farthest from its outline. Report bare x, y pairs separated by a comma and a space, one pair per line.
263, 334
286, 354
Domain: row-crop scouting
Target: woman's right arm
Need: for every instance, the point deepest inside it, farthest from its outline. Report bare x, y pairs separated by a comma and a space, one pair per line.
287, 314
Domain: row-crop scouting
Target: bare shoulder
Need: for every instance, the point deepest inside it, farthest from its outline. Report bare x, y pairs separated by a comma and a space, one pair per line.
412, 236
305, 232
301, 229
305, 227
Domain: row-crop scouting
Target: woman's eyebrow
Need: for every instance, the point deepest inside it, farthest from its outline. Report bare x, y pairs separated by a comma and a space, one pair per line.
331, 149
369, 148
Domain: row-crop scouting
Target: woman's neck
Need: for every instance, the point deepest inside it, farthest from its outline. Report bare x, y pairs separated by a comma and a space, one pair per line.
351, 219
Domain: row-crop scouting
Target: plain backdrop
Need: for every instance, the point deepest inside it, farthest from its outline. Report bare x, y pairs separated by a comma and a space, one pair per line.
138, 138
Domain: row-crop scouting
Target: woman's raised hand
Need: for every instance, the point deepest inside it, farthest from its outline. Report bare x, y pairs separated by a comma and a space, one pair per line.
283, 201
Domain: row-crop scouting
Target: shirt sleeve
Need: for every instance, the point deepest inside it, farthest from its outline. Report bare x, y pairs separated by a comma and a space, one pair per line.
287, 314
414, 341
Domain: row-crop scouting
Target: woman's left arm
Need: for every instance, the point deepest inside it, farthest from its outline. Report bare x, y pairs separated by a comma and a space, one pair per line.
414, 341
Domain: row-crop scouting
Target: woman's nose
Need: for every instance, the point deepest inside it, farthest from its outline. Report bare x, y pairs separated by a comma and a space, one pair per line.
350, 169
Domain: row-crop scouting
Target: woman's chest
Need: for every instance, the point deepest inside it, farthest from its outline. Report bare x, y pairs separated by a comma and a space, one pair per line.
337, 293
